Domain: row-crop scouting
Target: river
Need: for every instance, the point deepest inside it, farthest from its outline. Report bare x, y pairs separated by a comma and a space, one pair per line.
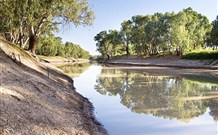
132, 101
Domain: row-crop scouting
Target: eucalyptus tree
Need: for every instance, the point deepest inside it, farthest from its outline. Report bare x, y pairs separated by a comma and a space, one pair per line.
138, 38
31, 18
154, 33
213, 39
60, 46
13, 22
198, 26
109, 43
169, 32
150, 33
116, 42
164, 33
201, 31
49, 45
102, 44
189, 31
126, 34
75, 51
163, 38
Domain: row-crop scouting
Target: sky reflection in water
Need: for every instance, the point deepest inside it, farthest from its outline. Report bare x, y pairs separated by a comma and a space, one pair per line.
135, 102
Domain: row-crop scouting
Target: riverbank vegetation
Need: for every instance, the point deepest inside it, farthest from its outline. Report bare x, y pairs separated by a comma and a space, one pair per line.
29, 24
202, 54
169, 33
53, 46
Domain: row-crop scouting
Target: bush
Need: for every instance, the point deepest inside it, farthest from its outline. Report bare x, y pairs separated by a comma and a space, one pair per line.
205, 54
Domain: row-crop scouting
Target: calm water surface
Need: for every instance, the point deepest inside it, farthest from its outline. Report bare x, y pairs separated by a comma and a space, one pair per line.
136, 102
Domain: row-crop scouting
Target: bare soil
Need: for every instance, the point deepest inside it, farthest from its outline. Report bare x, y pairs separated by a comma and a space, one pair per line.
167, 61
168, 65
38, 99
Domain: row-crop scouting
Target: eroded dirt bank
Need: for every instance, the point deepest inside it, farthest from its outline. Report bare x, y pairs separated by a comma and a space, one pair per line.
31, 103
168, 65
166, 61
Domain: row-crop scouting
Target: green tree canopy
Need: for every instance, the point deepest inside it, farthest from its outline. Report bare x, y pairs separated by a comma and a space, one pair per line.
167, 33
109, 43
213, 40
25, 20
49, 45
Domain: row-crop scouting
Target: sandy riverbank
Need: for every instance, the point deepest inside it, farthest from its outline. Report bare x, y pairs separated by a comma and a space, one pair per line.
168, 65
167, 61
62, 60
34, 101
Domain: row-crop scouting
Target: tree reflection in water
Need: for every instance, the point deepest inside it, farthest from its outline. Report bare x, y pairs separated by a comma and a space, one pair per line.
74, 70
160, 95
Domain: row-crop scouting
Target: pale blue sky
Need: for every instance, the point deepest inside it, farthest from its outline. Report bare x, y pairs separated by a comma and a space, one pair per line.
111, 13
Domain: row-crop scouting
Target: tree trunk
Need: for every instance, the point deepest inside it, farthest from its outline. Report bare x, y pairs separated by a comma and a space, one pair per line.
179, 51
127, 48
32, 44
20, 40
108, 56
25, 41
21, 36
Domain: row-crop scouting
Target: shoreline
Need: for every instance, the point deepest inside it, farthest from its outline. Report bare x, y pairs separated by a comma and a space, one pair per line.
162, 65
35, 102
62, 61
165, 61
168, 65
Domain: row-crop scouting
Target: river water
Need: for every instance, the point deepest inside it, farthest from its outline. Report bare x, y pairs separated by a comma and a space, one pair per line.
132, 101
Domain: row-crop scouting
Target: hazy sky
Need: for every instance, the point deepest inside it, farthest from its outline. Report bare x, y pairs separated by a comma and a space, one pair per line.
111, 13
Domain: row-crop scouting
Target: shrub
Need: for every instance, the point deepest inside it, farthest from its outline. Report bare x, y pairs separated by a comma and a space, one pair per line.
203, 54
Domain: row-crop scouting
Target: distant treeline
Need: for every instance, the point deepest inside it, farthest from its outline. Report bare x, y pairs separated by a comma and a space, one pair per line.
169, 33
53, 46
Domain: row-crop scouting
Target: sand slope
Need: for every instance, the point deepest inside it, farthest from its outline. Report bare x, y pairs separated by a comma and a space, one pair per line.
32, 103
